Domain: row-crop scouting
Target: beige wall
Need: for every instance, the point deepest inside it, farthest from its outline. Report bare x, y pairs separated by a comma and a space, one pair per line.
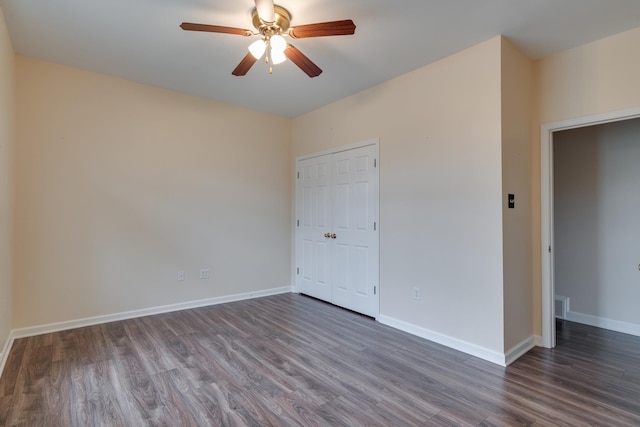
7, 140
596, 78
120, 185
440, 189
516, 179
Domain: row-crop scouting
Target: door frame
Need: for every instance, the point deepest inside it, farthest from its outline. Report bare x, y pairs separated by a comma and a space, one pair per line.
546, 208
375, 142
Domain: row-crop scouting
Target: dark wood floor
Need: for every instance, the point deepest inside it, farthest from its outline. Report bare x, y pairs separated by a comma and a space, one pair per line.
289, 360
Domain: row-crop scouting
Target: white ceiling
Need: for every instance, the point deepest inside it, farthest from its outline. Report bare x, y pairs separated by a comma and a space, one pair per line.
140, 40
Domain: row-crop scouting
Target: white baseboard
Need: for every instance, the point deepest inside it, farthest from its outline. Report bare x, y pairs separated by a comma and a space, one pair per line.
538, 340
89, 321
454, 343
601, 322
5, 352
518, 350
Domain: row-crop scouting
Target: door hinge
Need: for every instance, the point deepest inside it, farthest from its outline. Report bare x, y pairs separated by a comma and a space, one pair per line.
375, 225
375, 163
298, 223
374, 290
549, 248
298, 175
298, 270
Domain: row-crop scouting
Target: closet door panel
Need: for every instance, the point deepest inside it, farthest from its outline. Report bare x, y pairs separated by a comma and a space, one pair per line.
355, 278
336, 235
313, 249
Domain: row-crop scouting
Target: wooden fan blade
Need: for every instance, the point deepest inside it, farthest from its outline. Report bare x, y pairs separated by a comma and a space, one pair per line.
266, 11
189, 26
322, 29
245, 65
301, 60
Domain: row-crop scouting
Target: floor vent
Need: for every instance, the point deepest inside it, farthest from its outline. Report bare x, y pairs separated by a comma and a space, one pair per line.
561, 306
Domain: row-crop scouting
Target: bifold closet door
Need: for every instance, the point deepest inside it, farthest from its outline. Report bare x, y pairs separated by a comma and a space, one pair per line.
336, 235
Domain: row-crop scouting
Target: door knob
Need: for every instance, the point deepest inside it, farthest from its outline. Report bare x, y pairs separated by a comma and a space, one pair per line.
333, 236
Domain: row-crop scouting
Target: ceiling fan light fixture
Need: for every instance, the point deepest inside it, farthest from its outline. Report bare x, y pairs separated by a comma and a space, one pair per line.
278, 43
277, 57
257, 48
272, 22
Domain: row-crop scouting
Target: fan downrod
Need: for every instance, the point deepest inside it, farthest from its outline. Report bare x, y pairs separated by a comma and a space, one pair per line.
280, 25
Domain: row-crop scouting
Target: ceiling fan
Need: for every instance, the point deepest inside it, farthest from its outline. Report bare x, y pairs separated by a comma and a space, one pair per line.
272, 24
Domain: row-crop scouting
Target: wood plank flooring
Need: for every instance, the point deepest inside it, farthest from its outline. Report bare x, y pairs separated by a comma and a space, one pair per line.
290, 360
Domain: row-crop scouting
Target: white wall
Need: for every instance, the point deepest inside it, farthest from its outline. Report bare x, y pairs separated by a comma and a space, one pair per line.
7, 141
516, 179
120, 185
597, 221
440, 190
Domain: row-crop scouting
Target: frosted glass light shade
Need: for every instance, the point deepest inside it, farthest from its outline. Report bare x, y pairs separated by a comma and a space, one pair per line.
277, 56
257, 48
278, 43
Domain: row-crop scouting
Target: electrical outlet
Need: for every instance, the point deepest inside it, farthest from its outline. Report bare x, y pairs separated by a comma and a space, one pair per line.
416, 293
180, 276
204, 273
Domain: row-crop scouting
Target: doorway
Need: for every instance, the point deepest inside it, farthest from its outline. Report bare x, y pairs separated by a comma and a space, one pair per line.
337, 244
547, 212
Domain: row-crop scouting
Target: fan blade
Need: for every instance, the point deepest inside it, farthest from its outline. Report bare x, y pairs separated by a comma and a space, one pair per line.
301, 60
266, 11
245, 65
189, 26
322, 29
